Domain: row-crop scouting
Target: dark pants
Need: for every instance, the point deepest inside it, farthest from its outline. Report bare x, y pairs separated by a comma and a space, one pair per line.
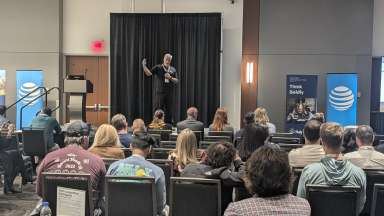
13, 164
164, 101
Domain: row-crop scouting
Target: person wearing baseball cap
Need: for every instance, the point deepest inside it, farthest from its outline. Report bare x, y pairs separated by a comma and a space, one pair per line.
75, 159
136, 164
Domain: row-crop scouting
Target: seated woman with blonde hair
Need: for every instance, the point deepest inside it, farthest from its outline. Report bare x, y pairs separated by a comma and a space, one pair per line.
106, 143
261, 117
186, 150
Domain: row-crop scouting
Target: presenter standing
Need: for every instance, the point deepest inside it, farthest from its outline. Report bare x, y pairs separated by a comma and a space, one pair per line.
165, 81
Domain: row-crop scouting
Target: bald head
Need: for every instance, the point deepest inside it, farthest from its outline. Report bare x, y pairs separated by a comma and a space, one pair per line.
192, 112
364, 135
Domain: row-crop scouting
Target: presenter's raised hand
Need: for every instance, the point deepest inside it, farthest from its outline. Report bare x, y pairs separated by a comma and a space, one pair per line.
147, 72
144, 62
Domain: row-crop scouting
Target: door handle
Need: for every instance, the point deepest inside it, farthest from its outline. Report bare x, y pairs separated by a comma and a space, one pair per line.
94, 107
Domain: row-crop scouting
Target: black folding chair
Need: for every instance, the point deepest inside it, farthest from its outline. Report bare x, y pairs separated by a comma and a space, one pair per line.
167, 167
130, 196
35, 142
218, 138
222, 133
288, 138
205, 144
160, 153
332, 200
108, 162
373, 177
168, 144
164, 134
296, 178
377, 208
67, 180
195, 197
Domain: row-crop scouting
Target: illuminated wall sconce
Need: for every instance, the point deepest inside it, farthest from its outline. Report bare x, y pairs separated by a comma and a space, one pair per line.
249, 72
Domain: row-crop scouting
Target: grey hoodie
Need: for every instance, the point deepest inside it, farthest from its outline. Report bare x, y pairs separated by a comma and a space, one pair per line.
333, 172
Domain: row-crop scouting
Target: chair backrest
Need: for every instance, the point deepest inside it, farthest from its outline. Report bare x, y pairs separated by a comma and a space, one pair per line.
218, 138
67, 180
173, 137
168, 144
127, 152
194, 196
222, 133
164, 134
130, 196
289, 138
332, 200
167, 167
373, 177
35, 141
205, 144
296, 173
157, 138
108, 162
160, 153
199, 136
288, 147
377, 207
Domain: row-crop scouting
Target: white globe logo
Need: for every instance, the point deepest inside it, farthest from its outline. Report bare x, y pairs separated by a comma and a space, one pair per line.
25, 89
341, 98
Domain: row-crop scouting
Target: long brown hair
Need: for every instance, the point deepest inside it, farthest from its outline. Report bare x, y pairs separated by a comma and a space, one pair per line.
106, 136
220, 119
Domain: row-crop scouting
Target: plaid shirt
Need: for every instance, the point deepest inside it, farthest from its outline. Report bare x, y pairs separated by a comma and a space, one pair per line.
287, 205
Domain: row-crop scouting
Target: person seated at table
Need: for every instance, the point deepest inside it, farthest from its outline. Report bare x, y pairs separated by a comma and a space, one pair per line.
191, 122
44, 120
138, 126
186, 150
107, 143
120, 123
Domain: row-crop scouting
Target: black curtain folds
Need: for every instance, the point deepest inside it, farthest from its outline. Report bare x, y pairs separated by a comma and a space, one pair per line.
194, 40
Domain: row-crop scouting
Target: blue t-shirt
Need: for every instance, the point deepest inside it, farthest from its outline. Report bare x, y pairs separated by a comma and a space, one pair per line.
125, 139
136, 165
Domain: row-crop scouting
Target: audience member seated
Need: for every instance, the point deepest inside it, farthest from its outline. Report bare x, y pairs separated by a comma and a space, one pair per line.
249, 119
12, 161
106, 143
220, 121
158, 121
74, 159
261, 117
44, 121
312, 151
138, 126
186, 149
349, 141
267, 177
319, 116
191, 122
3, 119
120, 123
217, 164
366, 157
254, 136
137, 165
332, 169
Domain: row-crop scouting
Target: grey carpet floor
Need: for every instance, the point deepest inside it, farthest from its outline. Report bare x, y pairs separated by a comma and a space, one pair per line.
18, 204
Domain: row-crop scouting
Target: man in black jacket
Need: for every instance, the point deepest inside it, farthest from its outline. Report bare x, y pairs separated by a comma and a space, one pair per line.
191, 122
220, 162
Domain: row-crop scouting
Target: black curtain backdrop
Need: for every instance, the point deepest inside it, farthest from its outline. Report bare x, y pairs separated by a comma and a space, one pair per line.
194, 40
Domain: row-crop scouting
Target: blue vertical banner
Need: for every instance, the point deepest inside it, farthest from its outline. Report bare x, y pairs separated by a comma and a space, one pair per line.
26, 82
2, 87
301, 101
342, 98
